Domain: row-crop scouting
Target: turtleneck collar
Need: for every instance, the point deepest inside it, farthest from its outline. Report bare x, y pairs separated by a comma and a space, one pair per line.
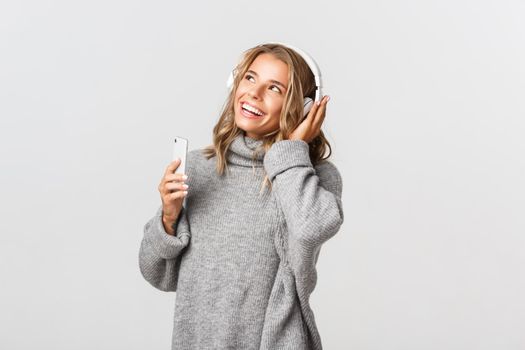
242, 149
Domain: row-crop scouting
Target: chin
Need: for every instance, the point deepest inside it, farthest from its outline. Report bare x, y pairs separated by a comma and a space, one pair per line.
244, 123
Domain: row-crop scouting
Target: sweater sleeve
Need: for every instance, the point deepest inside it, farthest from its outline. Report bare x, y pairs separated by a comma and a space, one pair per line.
310, 199
160, 253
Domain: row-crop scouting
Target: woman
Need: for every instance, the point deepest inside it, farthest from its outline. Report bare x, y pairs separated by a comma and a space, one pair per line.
260, 202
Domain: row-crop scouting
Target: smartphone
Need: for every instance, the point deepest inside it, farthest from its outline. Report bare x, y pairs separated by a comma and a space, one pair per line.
180, 150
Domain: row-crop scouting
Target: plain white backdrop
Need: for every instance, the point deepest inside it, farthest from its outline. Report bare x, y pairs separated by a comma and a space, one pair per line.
426, 121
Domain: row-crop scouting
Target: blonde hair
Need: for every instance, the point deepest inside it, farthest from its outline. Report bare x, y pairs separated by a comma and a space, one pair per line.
301, 83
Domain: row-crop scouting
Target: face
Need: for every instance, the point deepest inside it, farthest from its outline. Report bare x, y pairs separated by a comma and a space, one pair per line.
260, 96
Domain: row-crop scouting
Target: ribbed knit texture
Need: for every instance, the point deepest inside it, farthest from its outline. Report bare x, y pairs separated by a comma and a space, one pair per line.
243, 264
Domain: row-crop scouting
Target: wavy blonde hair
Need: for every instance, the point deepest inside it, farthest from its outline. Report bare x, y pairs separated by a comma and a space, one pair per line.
301, 83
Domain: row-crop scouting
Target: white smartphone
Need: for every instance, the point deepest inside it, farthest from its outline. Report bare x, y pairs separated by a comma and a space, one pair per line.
180, 150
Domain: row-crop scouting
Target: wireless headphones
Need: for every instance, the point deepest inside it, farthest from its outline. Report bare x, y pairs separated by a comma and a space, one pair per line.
308, 103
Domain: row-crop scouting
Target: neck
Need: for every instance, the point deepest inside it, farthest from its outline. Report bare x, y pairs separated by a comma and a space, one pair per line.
242, 152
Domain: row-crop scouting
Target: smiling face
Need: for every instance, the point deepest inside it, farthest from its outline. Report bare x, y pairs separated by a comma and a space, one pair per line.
260, 96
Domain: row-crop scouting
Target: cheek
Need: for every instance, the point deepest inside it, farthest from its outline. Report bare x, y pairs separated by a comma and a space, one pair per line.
241, 89
237, 94
276, 114
237, 97
277, 106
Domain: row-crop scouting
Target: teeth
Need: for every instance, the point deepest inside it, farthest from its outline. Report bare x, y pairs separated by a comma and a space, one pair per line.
251, 109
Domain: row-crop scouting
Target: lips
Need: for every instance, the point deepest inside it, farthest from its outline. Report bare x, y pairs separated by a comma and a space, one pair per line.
260, 110
247, 115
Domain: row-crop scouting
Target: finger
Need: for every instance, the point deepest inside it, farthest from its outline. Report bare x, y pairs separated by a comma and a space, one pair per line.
178, 194
175, 186
171, 178
321, 112
177, 177
172, 167
313, 111
317, 123
316, 127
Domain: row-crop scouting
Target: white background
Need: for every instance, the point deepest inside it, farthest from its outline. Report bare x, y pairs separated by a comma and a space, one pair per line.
426, 120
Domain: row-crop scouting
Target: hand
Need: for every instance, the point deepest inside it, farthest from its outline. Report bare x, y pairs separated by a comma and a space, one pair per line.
310, 127
172, 192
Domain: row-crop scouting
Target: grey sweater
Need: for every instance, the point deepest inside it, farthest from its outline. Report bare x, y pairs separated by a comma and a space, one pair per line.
243, 264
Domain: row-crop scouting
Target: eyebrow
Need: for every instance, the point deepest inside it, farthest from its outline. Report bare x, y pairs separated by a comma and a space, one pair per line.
273, 81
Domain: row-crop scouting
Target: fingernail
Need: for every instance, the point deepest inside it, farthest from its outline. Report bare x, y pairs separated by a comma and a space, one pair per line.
184, 177
318, 103
328, 99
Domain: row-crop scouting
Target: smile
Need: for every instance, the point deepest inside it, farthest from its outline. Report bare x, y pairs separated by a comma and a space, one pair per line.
250, 111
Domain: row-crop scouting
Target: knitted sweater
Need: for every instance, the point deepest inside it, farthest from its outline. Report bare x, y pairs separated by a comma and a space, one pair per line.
243, 264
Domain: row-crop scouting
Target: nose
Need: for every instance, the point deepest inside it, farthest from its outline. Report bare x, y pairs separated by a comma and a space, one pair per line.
255, 92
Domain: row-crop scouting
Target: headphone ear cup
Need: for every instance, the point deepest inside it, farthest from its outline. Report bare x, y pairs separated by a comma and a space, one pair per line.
308, 103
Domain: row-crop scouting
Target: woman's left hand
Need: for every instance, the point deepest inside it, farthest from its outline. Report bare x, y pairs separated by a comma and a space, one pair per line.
311, 125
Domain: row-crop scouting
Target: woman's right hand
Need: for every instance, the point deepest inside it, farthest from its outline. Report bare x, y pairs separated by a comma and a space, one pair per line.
172, 192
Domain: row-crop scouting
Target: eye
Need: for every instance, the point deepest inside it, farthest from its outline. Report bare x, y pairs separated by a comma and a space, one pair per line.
249, 76
278, 90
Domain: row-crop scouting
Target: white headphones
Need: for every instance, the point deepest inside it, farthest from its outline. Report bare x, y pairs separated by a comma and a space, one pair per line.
308, 103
